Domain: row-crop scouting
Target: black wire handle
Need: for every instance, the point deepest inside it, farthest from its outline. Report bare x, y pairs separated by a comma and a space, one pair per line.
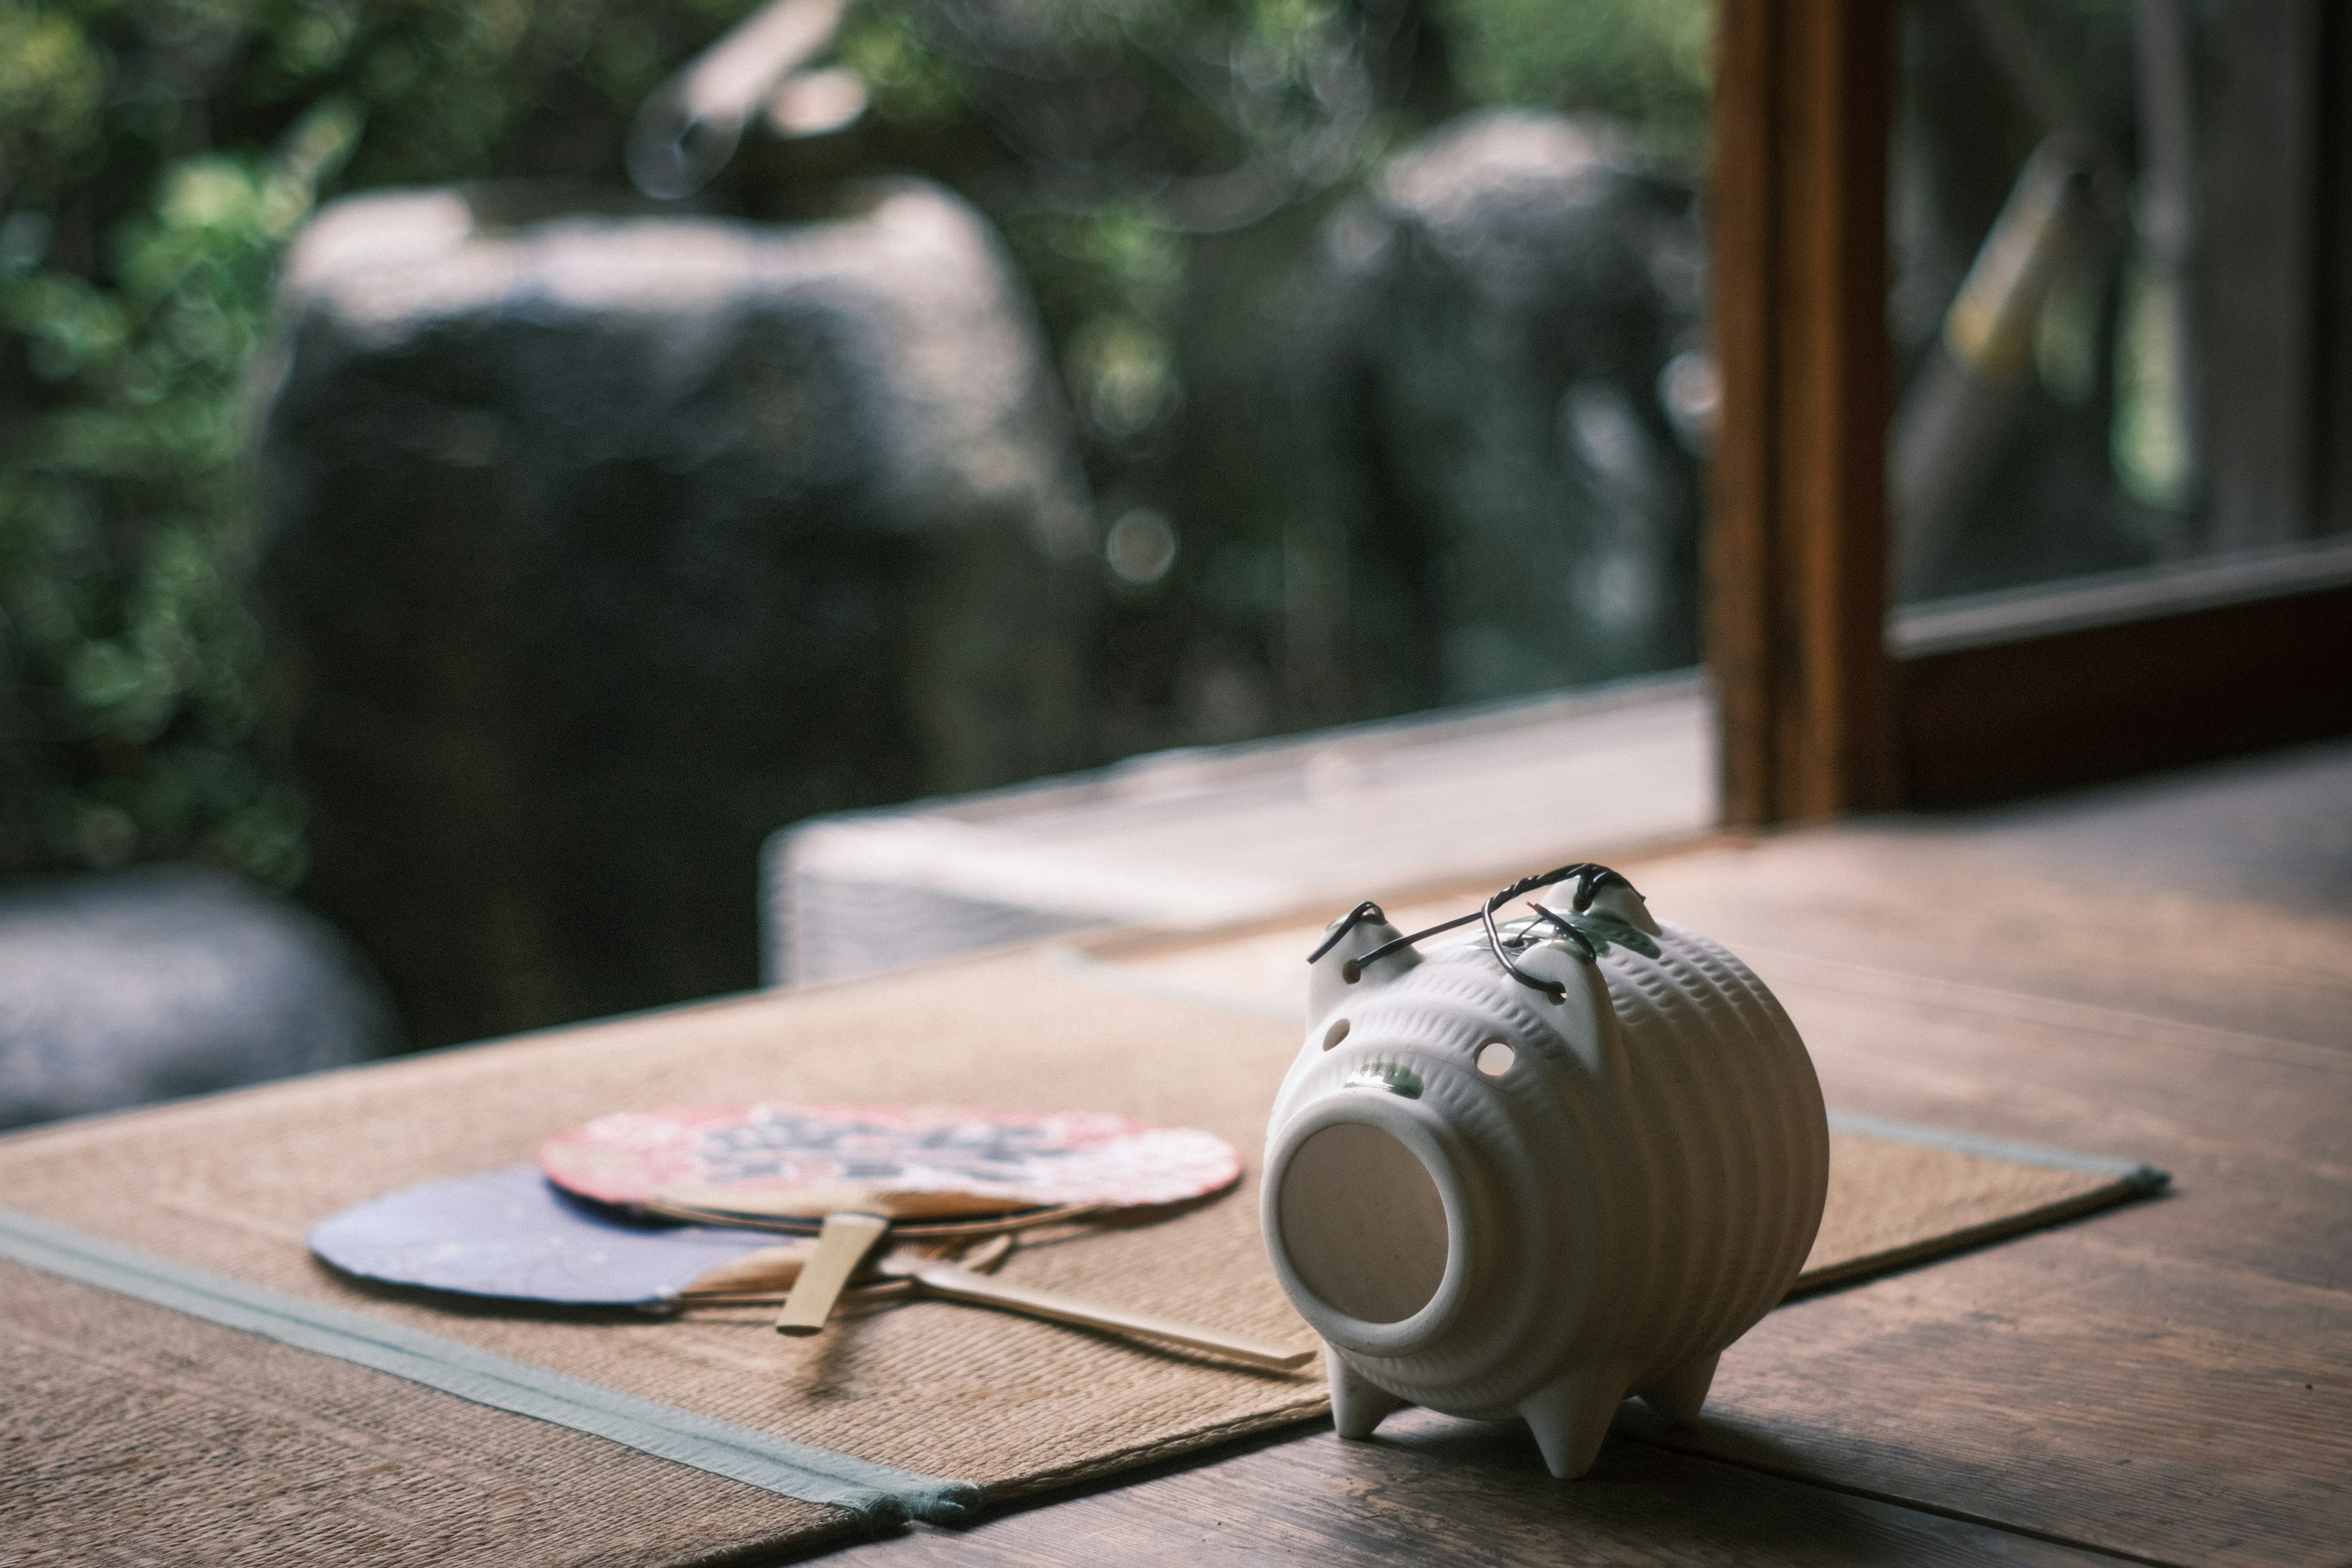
1588, 878
1367, 910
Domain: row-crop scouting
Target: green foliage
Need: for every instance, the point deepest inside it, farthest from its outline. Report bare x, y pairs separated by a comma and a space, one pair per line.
911, 82
1646, 61
1110, 279
155, 157
128, 648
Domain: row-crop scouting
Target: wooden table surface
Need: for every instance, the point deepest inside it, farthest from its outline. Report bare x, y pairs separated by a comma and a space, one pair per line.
2162, 972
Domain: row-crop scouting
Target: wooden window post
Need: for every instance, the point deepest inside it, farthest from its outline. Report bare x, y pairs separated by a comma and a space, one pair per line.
1797, 566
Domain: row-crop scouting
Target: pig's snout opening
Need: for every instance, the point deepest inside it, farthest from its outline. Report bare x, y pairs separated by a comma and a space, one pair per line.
1362, 1223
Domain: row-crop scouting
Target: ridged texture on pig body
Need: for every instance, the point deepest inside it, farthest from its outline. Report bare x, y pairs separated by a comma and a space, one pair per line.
1729, 1128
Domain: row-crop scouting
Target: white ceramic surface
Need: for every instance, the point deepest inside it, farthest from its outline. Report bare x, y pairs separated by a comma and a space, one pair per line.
1489, 1202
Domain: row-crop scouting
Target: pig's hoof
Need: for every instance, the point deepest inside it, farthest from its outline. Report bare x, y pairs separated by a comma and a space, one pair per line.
1678, 1395
1571, 1416
1357, 1406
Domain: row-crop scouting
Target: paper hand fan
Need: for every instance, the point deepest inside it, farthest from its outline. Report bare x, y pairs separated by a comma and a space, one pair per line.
511, 1234
853, 1171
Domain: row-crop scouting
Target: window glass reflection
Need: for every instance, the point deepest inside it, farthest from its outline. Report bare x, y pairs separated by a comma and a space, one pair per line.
2112, 288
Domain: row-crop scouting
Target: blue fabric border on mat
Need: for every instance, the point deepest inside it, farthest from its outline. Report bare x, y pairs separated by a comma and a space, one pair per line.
721, 1447
2142, 1178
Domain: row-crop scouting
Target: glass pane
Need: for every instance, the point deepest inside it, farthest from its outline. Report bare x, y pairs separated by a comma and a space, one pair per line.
2114, 295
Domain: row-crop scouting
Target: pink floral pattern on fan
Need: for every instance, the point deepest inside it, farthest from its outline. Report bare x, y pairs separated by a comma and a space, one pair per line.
1043, 1159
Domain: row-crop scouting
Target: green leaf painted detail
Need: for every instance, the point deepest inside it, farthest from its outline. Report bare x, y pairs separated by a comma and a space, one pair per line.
1597, 928
1602, 929
1393, 1077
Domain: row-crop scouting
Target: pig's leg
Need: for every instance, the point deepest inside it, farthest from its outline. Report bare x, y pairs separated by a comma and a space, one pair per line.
1357, 1405
1678, 1395
1571, 1417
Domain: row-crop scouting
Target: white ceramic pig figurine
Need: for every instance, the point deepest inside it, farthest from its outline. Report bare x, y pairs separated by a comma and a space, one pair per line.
1565, 1160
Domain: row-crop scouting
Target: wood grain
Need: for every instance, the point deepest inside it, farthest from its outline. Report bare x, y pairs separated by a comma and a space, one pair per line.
2142, 925
1798, 535
1427, 1489
2053, 713
2105, 1394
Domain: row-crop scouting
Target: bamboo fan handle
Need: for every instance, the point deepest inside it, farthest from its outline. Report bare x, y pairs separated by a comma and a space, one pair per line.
841, 1246
961, 1284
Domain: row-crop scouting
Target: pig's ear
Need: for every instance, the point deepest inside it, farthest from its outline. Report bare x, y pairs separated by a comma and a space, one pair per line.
1336, 974
1582, 1014
1618, 899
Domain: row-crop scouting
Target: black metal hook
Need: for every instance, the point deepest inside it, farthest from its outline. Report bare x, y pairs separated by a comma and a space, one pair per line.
1367, 910
1590, 879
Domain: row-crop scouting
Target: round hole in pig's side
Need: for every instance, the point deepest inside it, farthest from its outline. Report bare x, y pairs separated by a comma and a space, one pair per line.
1495, 1059
1362, 1223
1335, 1034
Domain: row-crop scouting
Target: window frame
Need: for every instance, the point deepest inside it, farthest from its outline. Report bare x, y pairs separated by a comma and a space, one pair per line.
1827, 704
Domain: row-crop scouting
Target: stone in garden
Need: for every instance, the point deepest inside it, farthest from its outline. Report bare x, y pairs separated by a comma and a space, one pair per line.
597, 548
1518, 361
146, 984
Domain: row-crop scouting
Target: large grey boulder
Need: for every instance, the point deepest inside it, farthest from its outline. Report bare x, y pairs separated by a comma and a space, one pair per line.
1519, 374
596, 548
146, 984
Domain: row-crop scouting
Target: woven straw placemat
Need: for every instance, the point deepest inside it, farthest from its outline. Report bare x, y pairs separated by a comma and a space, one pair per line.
125, 1420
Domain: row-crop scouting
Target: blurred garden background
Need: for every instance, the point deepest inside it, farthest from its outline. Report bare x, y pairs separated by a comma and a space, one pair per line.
1167, 177
470, 473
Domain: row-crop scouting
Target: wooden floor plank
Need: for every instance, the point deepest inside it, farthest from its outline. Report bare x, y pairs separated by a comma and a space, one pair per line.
1986, 911
2255, 1133
1430, 1490
2102, 1393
